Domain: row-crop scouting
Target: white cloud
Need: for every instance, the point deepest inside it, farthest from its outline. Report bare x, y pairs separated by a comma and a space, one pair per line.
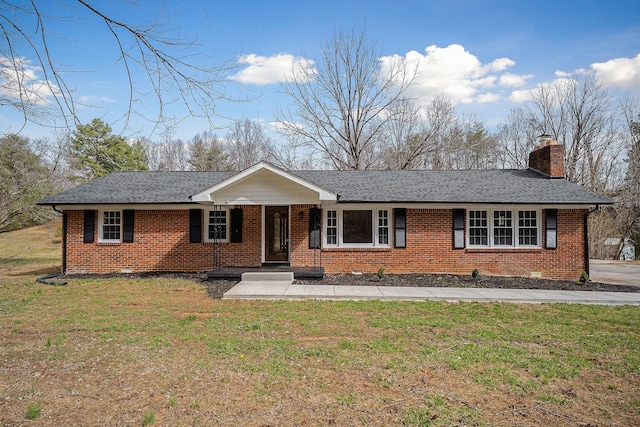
19, 80
559, 73
620, 72
264, 70
514, 80
524, 95
520, 96
457, 74
91, 99
486, 98
501, 64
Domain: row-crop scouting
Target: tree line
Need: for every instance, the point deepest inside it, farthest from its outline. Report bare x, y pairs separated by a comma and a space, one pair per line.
602, 150
347, 110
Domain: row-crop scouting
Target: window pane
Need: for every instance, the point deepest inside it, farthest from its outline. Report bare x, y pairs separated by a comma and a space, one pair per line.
502, 228
478, 230
383, 227
383, 236
218, 225
111, 225
332, 227
528, 228
478, 236
357, 226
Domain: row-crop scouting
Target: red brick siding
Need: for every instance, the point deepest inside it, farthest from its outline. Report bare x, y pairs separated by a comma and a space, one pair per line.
161, 243
430, 249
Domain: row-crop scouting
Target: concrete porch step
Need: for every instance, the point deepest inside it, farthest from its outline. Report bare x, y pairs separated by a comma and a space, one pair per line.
235, 273
267, 276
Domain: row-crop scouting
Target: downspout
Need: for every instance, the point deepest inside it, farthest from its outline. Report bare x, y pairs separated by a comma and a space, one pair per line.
586, 238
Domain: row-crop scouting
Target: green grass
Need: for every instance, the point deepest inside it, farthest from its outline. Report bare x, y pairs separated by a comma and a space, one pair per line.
163, 344
149, 418
33, 411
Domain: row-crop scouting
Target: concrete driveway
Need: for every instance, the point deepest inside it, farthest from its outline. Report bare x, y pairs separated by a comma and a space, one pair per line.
616, 272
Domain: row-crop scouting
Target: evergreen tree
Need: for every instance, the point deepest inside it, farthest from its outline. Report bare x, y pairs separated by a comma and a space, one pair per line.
23, 181
94, 152
206, 153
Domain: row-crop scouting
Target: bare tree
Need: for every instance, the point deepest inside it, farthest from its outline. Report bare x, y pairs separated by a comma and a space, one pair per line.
342, 102
628, 203
291, 154
155, 51
405, 144
435, 137
167, 154
517, 137
246, 142
581, 115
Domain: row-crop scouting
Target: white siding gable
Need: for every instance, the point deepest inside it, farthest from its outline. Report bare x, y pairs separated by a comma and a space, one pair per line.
264, 184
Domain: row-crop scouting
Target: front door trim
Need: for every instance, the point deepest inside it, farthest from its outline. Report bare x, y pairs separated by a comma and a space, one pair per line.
266, 258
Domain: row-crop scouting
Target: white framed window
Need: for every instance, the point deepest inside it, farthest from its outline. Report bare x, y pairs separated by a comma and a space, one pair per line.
216, 225
110, 226
478, 228
357, 227
332, 228
504, 228
528, 228
383, 227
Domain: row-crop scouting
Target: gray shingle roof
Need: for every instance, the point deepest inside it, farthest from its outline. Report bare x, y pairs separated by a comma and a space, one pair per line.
139, 187
452, 186
467, 186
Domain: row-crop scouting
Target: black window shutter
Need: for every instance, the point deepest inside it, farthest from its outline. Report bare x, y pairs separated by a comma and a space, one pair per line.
400, 240
551, 220
89, 225
195, 225
315, 226
236, 225
127, 229
458, 228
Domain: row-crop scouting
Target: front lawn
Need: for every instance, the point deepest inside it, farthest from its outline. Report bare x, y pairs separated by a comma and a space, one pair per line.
160, 352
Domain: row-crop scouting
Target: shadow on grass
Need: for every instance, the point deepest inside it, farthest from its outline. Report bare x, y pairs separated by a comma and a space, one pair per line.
55, 269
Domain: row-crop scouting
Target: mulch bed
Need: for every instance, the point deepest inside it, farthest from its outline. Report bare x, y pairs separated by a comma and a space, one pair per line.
217, 288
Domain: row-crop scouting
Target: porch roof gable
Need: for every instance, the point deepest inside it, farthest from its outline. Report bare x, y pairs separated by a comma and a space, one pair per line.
264, 183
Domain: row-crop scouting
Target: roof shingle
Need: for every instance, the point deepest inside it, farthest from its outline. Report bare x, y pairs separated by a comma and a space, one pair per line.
384, 186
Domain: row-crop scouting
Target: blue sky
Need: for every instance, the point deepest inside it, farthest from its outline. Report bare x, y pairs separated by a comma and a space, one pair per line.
485, 55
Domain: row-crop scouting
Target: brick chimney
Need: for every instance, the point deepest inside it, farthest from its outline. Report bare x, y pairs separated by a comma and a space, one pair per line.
548, 157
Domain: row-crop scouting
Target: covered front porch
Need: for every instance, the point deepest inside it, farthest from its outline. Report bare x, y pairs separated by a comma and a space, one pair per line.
264, 219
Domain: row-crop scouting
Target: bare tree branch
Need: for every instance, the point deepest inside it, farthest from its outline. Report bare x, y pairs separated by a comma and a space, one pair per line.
342, 104
166, 61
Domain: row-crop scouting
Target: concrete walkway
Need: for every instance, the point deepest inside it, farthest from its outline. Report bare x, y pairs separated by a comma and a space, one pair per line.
258, 287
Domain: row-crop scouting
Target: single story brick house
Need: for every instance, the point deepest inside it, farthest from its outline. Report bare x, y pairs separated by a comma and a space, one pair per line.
503, 222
